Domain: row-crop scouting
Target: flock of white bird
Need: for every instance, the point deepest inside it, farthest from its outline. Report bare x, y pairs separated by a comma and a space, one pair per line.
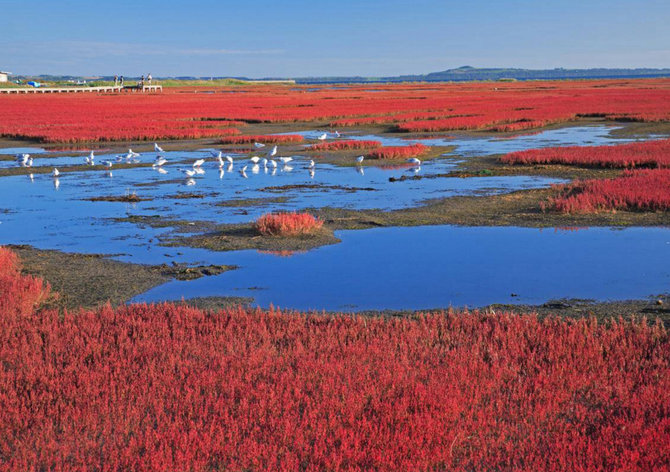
268, 163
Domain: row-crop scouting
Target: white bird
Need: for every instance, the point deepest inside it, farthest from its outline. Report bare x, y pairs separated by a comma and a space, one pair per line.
285, 160
132, 153
273, 163
55, 172
414, 160
359, 159
221, 161
159, 161
22, 159
229, 159
157, 148
216, 153
265, 163
90, 160
30, 162
255, 159
272, 152
243, 171
108, 163
259, 145
311, 164
255, 168
190, 182
337, 134
323, 137
199, 170
188, 172
198, 163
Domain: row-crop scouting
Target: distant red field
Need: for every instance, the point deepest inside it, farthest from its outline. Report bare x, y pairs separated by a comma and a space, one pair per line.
167, 387
180, 113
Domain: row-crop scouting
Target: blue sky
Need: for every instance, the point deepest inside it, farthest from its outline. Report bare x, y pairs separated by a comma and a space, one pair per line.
296, 38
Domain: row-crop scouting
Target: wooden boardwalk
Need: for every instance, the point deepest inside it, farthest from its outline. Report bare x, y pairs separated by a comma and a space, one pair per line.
106, 89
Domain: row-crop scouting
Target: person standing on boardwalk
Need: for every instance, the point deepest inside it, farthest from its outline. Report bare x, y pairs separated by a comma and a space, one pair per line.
149, 78
121, 81
116, 80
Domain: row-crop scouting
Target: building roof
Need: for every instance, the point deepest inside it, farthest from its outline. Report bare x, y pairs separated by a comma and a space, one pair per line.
4, 72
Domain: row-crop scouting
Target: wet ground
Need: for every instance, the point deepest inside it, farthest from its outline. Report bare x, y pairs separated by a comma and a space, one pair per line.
125, 213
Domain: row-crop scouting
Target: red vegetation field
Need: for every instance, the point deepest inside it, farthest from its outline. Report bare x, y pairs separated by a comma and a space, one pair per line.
642, 154
19, 294
166, 387
179, 113
269, 139
636, 190
398, 152
345, 145
287, 224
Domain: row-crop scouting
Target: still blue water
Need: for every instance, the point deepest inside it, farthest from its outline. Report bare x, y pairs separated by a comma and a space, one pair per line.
390, 268
440, 266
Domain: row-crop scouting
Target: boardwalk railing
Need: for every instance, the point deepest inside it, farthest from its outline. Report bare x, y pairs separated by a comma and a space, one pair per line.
104, 89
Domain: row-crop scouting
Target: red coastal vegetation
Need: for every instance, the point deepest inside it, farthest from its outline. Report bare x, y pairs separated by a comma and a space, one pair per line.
635, 190
268, 139
287, 224
168, 387
345, 145
630, 155
406, 107
398, 152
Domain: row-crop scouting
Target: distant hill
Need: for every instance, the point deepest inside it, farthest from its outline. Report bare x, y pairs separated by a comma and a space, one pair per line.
467, 73
461, 74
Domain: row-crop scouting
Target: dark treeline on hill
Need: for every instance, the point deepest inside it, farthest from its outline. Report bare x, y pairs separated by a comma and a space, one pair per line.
461, 74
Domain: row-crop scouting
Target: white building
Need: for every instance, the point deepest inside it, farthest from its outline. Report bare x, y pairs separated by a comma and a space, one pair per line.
3, 76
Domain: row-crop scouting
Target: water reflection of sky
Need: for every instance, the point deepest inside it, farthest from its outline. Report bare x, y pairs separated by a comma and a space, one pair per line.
438, 266
54, 213
598, 135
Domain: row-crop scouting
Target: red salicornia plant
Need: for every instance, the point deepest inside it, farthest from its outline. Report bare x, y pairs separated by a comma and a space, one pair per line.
166, 387
630, 155
398, 152
71, 118
636, 190
272, 139
287, 224
19, 294
345, 145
